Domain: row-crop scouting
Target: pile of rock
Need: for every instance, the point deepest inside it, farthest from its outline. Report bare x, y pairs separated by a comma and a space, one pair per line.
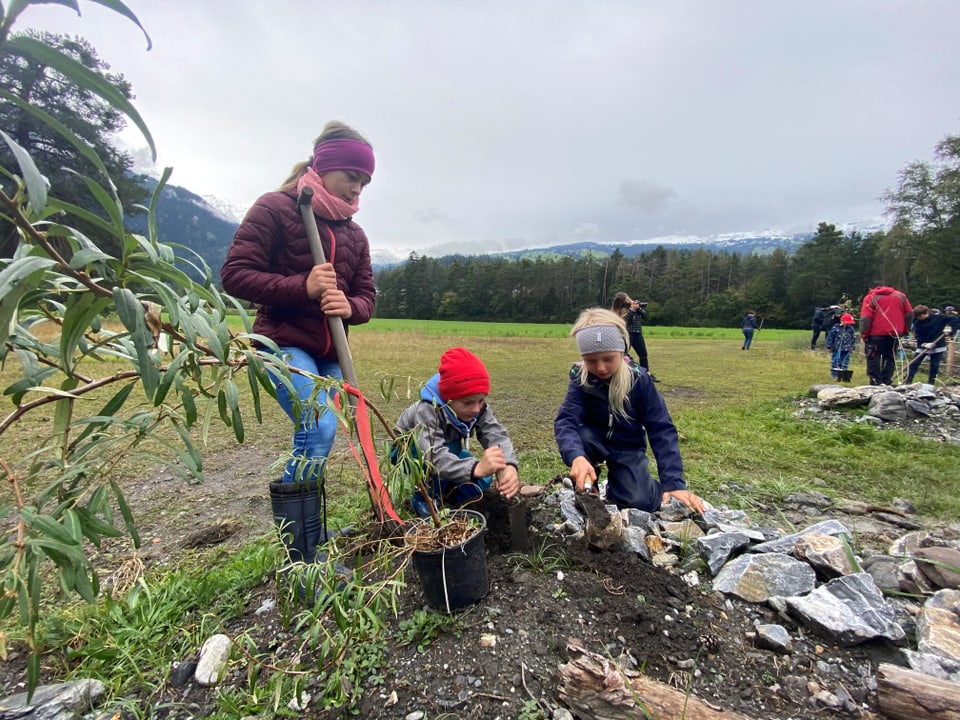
907, 593
934, 410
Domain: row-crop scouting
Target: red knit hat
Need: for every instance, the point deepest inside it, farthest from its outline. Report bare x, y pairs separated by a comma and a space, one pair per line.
847, 319
461, 374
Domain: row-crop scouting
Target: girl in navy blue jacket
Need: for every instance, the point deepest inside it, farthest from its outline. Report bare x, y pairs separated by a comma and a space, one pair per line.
610, 411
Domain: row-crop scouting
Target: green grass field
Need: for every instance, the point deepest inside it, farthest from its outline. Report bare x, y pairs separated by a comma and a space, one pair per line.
740, 439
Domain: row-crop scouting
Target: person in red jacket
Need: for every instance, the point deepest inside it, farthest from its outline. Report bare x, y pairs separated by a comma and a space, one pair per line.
270, 264
885, 318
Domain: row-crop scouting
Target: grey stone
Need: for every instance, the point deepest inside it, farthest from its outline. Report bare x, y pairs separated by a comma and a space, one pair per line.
941, 565
717, 548
774, 637
885, 571
890, 406
850, 610
787, 543
755, 578
938, 625
827, 554
63, 701
929, 664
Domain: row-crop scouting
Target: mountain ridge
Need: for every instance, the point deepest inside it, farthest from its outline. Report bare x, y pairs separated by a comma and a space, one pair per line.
207, 225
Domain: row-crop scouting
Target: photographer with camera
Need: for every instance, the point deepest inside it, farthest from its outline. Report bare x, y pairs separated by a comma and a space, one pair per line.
633, 314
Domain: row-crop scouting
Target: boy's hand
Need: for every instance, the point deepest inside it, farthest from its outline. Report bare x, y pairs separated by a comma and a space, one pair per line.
491, 462
508, 482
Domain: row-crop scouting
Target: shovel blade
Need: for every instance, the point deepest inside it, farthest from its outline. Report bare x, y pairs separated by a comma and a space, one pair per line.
519, 533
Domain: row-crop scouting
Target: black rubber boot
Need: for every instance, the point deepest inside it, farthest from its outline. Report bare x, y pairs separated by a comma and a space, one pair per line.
296, 511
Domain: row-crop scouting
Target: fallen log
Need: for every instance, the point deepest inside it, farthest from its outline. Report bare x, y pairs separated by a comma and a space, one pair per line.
596, 687
905, 694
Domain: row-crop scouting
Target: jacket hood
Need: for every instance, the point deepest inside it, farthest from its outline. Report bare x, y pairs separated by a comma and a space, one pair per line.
430, 392
883, 290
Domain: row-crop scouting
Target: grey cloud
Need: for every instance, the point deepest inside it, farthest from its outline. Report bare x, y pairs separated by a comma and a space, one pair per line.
646, 195
431, 215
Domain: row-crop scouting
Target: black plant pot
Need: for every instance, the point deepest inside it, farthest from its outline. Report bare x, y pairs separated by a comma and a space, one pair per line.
453, 578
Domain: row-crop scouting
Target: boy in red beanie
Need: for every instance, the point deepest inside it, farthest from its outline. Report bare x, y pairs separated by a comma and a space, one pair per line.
452, 408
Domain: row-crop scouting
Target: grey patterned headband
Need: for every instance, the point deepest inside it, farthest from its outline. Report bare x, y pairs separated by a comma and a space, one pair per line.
600, 338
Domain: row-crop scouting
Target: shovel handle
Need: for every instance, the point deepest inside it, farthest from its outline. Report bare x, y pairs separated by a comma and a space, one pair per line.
337, 330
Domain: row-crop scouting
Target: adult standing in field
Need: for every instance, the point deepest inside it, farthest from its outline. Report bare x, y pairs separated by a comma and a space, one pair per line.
634, 313
271, 265
819, 315
611, 410
748, 326
885, 318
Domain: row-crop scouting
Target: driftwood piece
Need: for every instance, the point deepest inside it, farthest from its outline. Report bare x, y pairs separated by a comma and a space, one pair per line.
594, 686
905, 694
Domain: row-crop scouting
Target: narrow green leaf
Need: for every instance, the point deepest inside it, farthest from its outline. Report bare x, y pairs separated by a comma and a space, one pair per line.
189, 406
109, 201
106, 414
193, 459
20, 278
35, 181
120, 8
237, 423
168, 377
76, 320
83, 76
33, 671
63, 412
128, 522
93, 528
46, 525
131, 314
87, 587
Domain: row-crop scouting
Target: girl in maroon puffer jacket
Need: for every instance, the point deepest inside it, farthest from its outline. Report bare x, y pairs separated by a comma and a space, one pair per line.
270, 264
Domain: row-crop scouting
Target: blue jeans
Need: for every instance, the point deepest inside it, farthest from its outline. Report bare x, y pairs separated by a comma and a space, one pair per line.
840, 360
934, 359
747, 338
316, 427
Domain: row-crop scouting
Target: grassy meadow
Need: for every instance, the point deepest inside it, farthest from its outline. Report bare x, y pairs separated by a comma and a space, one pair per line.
740, 440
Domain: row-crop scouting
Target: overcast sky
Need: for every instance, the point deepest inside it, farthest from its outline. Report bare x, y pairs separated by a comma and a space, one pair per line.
500, 125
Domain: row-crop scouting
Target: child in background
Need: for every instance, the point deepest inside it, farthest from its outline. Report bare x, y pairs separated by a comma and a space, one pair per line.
611, 410
452, 407
841, 340
931, 333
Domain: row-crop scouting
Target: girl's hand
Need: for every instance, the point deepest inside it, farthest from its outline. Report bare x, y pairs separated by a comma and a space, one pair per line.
334, 302
320, 279
583, 474
686, 497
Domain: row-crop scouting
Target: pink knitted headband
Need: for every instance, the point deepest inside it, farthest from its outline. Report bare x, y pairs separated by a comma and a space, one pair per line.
343, 154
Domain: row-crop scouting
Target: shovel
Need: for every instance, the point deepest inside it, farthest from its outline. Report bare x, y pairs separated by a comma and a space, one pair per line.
379, 497
335, 323
517, 514
918, 358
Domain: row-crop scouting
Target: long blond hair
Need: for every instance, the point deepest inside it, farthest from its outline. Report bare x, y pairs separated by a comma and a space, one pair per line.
622, 380
333, 130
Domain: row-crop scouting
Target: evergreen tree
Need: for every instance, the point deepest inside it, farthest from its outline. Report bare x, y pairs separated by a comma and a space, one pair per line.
25, 81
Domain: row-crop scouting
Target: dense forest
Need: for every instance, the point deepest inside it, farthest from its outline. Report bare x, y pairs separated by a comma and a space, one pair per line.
920, 255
